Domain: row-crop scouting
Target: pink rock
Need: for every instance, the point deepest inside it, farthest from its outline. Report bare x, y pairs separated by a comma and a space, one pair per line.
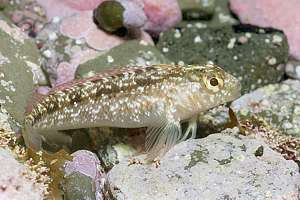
100, 40
56, 8
65, 8
162, 15
272, 13
43, 90
66, 70
83, 4
81, 25
77, 26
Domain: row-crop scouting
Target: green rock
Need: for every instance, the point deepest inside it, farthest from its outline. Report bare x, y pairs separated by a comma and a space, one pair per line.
197, 9
253, 55
19, 70
109, 15
220, 17
79, 187
132, 53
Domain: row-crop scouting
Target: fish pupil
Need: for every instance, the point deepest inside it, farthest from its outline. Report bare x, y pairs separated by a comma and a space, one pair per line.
213, 81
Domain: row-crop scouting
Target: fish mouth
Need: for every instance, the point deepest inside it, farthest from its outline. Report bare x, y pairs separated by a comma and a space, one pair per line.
235, 94
234, 88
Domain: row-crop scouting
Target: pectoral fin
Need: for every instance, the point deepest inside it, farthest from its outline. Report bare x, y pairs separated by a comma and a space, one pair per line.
192, 128
160, 138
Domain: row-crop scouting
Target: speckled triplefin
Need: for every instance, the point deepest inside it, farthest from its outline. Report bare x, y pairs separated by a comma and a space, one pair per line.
158, 97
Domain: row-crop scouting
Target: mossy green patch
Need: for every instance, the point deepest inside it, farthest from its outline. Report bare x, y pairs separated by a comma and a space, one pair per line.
199, 155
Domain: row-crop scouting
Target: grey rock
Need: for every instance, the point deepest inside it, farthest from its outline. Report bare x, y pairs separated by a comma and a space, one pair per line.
246, 52
219, 166
84, 176
131, 53
116, 144
79, 187
277, 104
19, 70
16, 181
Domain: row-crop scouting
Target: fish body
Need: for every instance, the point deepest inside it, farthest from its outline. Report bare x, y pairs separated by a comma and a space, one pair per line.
158, 97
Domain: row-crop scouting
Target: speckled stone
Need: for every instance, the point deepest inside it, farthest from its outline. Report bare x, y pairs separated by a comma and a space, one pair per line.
248, 53
20, 70
278, 104
220, 166
16, 181
131, 53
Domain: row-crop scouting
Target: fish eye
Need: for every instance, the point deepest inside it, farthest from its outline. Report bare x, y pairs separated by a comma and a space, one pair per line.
214, 82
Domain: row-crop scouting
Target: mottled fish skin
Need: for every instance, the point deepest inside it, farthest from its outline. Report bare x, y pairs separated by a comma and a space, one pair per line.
158, 97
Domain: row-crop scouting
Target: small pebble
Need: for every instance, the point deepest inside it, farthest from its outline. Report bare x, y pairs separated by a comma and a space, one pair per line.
110, 59
272, 61
243, 39
277, 39
248, 35
231, 43
197, 39
165, 49
47, 53
177, 34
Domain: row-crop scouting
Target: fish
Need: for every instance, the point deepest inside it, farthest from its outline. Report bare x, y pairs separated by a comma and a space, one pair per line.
157, 97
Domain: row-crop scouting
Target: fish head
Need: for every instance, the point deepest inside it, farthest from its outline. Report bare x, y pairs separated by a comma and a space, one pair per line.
215, 86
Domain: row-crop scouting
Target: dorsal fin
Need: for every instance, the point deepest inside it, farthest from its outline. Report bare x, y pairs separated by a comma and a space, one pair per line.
101, 75
109, 73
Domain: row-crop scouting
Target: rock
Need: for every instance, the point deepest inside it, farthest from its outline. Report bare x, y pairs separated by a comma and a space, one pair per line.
220, 166
195, 9
27, 15
159, 15
19, 70
72, 41
115, 145
83, 4
3, 4
272, 14
81, 26
162, 15
84, 177
16, 181
66, 8
292, 69
278, 104
248, 53
112, 16
132, 53
220, 17
79, 187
